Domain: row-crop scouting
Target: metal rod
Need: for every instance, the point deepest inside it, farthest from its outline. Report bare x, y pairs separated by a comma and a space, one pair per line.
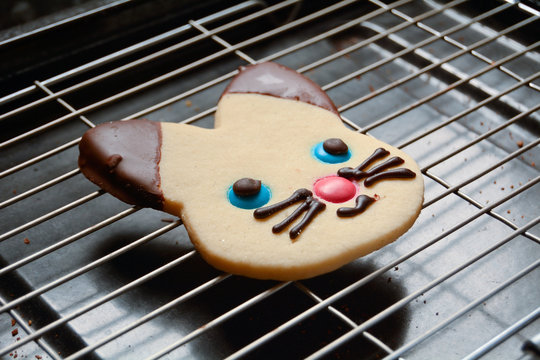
478, 175
375, 319
39, 188
354, 286
64, 21
220, 319
511, 330
196, 291
39, 158
179, 71
17, 264
431, 67
344, 318
221, 42
89, 266
94, 304
467, 111
50, 215
456, 43
231, 74
24, 325
126, 51
468, 308
83, 118
482, 137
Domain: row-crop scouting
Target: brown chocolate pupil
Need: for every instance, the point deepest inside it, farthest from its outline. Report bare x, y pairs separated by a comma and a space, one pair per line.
335, 146
247, 187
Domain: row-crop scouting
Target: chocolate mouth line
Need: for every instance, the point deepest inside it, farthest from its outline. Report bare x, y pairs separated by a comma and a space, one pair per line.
362, 203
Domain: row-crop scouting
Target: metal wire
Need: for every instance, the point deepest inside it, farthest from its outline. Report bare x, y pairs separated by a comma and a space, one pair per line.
237, 49
176, 72
349, 289
489, 345
351, 334
484, 349
218, 320
118, 55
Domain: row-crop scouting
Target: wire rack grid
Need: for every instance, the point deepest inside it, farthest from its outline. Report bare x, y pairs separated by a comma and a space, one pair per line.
453, 83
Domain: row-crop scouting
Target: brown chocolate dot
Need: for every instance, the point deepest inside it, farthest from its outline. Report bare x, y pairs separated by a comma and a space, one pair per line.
247, 187
335, 146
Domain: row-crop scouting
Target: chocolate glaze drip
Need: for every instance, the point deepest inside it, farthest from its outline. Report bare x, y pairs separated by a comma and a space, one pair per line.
123, 158
348, 172
113, 161
362, 203
273, 79
390, 174
298, 195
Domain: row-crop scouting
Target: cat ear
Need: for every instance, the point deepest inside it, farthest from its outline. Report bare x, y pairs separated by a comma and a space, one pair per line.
122, 158
278, 81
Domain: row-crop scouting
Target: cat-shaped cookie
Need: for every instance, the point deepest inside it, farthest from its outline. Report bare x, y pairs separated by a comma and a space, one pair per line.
279, 189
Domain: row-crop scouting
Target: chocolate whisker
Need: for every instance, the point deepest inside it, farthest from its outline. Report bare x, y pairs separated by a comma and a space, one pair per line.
377, 154
309, 204
266, 211
348, 172
372, 176
315, 206
296, 213
400, 173
377, 172
394, 161
362, 203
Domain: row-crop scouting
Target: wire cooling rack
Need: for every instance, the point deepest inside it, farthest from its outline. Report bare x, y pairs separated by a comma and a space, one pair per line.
454, 84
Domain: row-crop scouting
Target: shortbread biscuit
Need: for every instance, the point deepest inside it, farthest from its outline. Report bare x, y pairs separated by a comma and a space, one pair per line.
279, 189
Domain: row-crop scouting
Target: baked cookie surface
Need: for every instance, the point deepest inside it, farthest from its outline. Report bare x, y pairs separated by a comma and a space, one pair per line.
279, 189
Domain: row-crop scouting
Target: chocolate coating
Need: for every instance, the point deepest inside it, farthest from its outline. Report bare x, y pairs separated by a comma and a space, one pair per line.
357, 172
113, 161
335, 146
247, 187
298, 195
315, 207
122, 158
273, 79
362, 203
390, 174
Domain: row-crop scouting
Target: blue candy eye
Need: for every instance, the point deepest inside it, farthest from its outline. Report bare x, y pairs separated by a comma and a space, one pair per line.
247, 193
331, 151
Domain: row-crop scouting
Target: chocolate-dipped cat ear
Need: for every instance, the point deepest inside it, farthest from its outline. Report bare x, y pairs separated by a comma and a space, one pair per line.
273, 79
122, 158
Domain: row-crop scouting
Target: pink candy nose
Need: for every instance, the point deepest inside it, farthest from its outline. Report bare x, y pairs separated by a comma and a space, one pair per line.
334, 189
